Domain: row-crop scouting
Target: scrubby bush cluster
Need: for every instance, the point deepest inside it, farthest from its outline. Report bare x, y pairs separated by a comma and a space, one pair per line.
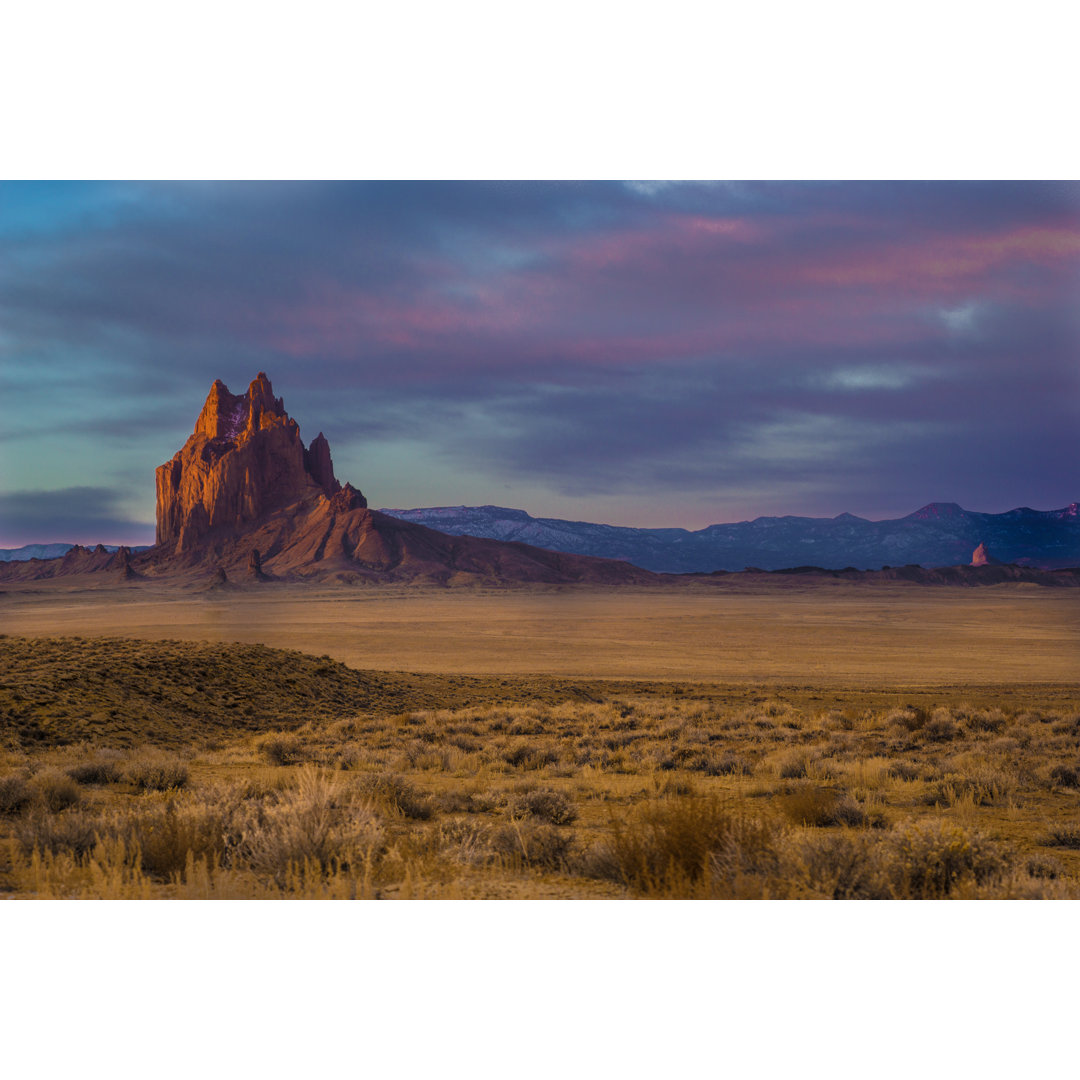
655, 795
707, 848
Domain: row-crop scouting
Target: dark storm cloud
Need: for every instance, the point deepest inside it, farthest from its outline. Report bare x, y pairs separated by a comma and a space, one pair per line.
71, 515
590, 337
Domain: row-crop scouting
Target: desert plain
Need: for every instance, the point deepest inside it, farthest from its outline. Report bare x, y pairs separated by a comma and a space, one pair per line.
834, 634
721, 738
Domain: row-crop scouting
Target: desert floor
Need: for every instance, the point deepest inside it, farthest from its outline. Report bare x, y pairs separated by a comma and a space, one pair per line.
832, 634
704, 739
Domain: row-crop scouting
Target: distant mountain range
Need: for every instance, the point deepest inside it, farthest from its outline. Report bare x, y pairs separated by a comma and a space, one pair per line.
940, 534
48, 551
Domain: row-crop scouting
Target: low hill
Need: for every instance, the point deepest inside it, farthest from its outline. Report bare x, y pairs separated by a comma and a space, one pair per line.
125, 692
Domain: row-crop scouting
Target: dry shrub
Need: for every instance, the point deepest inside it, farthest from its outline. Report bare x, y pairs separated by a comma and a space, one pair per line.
468, 802
465, 743
668, 847
465, 841
546, 804
730, 765
56, 790
524, 756
1069, 725
396, 794
348, 757
793, 767
73, 831
983, 786
905, 770
104, 768
154, 770
165, 833
992, 720
260, 784
928, 861
523, 842
15, 794
1065, 776
941, 727
867, 774
676, 786
108, 871
705, 762
821, 807
1064, 836
843, 866
911, 718
315, 827
1017, 885
158, 834
526, 725
281, 748
1044, 867
775, 708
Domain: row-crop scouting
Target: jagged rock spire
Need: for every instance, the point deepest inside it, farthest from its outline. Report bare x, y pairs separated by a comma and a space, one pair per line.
243, 461
319, 465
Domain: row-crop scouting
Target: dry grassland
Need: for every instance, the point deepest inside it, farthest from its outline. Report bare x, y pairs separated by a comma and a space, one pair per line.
175, 769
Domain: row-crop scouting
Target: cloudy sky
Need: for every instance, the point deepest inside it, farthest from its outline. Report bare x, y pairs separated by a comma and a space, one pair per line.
641, 353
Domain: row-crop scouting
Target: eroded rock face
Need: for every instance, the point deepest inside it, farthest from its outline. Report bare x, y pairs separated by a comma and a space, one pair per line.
244, 460
254, 567
346, 499
981, 557
319, 466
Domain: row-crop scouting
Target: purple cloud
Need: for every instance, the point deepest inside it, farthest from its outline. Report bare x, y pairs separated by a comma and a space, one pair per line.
769, 347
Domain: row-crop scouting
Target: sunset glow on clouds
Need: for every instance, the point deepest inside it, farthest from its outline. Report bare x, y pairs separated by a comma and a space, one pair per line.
643, 354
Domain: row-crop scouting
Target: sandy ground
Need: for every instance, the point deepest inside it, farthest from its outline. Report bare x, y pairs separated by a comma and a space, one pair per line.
833, 633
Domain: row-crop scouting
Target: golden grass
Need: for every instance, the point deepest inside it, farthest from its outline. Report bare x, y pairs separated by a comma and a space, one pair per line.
618, 789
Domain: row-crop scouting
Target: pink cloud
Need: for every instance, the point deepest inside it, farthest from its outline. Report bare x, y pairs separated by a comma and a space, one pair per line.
682, 286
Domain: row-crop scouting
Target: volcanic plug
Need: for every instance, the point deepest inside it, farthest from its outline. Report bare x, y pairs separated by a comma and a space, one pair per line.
244, 460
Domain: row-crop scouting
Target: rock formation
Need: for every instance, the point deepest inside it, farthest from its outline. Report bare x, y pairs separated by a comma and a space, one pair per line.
255, 570
318, 464
243, 461
981, 557
123, 558
244, 496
